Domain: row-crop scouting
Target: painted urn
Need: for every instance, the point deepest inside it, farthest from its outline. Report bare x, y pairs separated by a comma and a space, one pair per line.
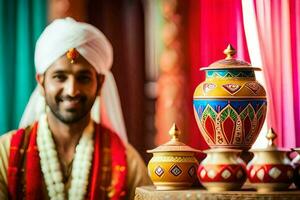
173, 165
230, 105
296, 165
270, 169
222, 170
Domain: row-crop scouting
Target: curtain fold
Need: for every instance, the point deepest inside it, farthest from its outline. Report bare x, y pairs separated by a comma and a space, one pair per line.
21, 22
272, 28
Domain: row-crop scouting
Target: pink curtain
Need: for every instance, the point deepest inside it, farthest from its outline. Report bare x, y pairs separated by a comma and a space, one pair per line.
277, 27
213, 24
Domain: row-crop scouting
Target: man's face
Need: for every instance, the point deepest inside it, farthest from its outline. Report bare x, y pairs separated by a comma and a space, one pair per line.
70, 89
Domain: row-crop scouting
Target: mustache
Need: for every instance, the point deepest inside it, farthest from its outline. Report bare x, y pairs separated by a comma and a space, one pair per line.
70, 98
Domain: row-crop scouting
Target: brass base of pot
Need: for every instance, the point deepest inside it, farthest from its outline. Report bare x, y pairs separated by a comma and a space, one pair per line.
222, 186
270, 187
172, 186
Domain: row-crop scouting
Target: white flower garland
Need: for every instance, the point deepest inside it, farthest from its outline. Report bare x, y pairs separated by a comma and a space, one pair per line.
51, 168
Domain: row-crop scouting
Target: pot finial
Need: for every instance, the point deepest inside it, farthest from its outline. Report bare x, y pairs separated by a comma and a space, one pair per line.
174, 132
229, 52
271, 135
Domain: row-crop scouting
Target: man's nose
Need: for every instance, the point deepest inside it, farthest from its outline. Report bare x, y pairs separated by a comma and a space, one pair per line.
71, 87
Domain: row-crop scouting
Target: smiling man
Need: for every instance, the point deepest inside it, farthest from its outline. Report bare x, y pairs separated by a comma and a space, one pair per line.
62, 152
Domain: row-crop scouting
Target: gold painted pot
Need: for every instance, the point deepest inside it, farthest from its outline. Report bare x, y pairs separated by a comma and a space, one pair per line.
173, 165
230, 105
270, 169
222, 170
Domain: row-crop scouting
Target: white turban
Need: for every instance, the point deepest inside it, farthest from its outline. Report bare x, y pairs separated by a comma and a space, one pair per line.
54, 42
63, 34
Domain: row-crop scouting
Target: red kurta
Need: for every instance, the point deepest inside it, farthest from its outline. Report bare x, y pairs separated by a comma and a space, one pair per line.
107, 176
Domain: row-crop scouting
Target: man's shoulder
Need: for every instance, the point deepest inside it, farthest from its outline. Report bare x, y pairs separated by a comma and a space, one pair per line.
6, 137
5, 141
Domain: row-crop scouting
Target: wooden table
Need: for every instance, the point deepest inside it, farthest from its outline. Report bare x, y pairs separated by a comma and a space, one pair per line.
149, 193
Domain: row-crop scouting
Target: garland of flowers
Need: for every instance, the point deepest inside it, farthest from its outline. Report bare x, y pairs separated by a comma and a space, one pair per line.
51, 167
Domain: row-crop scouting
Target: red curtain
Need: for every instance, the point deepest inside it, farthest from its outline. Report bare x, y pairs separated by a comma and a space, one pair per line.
213, 24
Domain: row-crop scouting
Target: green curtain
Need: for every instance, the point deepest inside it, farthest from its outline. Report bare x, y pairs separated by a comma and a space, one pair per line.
21, 22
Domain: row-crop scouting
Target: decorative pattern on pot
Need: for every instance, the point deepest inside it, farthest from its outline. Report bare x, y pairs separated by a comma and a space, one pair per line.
270, 169
230, 105
271, 173
167, 175
222, 170
221, 173
173, 165
230, 123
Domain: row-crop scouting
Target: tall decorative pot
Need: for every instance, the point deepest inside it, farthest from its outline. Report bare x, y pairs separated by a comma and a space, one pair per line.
230, 105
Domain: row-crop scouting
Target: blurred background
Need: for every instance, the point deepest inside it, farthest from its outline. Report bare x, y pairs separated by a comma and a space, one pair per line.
159, 46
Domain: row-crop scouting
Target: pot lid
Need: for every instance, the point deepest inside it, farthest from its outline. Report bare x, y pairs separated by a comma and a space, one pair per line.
174, 145
271, 136
229, 62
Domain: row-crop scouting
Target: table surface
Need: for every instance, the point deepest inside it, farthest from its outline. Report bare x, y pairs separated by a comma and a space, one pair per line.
150, 193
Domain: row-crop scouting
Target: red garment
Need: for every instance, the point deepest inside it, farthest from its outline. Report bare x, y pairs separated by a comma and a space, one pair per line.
107, 177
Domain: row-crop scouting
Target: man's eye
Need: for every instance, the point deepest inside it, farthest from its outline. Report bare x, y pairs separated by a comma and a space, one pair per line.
84, 79
59, 77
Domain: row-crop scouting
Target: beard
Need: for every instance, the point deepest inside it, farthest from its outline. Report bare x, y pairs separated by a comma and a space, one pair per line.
70, 115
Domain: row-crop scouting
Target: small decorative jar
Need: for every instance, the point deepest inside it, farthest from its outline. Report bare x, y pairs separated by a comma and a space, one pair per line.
270, 169
230, 105
173, 165
222, 170
296, 165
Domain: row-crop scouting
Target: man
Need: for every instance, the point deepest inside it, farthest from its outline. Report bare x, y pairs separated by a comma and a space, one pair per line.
64, 153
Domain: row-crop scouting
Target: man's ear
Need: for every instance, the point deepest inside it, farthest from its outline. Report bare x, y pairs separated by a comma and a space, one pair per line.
40, 78
100, 78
